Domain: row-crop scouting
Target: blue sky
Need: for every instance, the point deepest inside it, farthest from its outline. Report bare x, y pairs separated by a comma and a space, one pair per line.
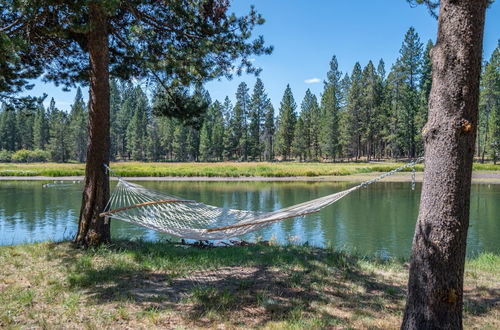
306, 33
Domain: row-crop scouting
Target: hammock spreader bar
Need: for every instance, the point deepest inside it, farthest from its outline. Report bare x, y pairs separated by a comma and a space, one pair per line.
108, 213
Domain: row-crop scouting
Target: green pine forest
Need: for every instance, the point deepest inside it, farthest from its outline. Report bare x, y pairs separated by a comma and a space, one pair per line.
366, 114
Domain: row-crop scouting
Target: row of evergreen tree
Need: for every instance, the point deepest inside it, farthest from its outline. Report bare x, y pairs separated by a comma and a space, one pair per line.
52, 133
367, 114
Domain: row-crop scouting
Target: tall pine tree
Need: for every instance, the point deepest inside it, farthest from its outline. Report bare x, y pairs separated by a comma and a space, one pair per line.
286, 124
424, 92
78, 128
268, 133
206, 144
8, 131
410, 62
123, 118
136, 135
490, 106
258, 106
24, 126
310, 114
115, 103
217, 134
371, 105
40, 128
229, 138
59, 141
239, 123
330, 111
300, 146
354, 115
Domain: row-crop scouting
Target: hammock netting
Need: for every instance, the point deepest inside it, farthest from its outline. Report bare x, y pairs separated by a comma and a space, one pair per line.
189, 219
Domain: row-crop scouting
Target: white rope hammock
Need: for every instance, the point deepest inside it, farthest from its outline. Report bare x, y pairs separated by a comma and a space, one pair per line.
189, 219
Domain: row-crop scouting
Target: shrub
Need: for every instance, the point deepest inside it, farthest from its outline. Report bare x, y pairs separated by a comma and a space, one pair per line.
5, 155
25, 156
21, 156
39, 155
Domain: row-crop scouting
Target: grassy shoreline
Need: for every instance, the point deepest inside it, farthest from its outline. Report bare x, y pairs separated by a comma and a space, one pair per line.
222, 169
161, 285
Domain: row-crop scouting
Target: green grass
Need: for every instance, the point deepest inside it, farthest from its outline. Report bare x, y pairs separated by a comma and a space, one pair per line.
222, 169
486, 167
162, 285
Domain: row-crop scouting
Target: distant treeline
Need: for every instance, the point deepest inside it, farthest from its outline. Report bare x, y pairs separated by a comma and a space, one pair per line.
366, 114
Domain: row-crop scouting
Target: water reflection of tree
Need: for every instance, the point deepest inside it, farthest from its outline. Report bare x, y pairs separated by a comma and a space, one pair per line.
484, 225
34, 213
380, 217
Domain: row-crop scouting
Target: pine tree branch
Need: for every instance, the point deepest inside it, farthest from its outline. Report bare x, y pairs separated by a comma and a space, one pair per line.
148, 19
432, 5
8, 27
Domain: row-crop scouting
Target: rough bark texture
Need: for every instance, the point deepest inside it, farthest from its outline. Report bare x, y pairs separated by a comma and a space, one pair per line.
435, 287
92, 229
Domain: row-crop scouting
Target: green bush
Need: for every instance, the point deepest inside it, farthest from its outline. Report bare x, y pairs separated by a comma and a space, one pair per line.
21, 156
5, 156
39, 155
26, 156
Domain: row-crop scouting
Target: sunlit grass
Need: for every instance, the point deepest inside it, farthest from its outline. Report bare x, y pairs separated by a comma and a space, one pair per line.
162, 285
223, 169
486, 167
486, 262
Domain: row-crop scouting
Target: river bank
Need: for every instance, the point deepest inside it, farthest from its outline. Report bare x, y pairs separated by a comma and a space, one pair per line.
233, 171
165, 285
478, 177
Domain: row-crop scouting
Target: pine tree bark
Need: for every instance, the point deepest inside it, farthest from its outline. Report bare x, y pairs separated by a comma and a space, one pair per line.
435, 287
93, 229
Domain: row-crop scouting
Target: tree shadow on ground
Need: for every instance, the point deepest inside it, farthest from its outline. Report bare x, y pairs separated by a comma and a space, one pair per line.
243, 285
480, 301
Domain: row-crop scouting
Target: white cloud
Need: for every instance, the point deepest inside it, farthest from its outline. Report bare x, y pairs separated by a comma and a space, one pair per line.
312, 81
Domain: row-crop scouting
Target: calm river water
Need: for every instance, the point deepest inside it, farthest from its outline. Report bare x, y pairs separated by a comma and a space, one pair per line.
378, 220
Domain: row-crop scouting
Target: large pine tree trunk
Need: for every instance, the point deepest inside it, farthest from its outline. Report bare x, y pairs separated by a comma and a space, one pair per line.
435, 287
93, 229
